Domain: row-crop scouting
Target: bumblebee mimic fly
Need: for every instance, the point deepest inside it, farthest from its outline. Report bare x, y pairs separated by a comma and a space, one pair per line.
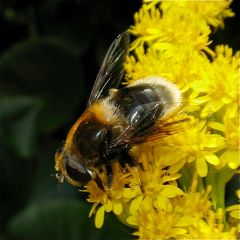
116, 118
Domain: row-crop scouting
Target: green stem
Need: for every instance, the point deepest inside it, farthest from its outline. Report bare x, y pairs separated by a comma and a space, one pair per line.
211, 181
218, 180
201, 185
185, 180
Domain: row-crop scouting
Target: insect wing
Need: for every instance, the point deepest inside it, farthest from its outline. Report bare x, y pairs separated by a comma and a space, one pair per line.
141, 126
111, 72
163, 129
181, 121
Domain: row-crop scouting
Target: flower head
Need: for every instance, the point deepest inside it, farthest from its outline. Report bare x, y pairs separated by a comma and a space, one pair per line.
219, 85
110, 198
154, 223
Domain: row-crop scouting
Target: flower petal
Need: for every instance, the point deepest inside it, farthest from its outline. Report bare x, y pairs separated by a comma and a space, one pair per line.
92, 209
233, 207
179, 231
234, 163
184, 221
135, 204
234, 211
132, 221
117, 208
161, 202
212, 158
108, 205
231, 158
171, 191
215, 140
99, 217
199, 86
235, 214
129, 193
175, 168
202, 167
216, 125
171, 177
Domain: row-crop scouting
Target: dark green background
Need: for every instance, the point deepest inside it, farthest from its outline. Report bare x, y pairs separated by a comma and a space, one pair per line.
50, 53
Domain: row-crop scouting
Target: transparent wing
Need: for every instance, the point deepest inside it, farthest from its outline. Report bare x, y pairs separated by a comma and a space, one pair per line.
181, 120
163, 129
155, 133
141, 124
112, 69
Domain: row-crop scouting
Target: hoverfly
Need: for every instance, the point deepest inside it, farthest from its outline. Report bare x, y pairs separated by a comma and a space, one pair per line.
116, 118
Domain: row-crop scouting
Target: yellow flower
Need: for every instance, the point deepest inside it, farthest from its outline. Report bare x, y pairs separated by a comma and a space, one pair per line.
109, 198
221, 82
154, 223
156, 62
176, 29
197, 145
186, 217
172, 42
149, 181
234, 211
213, 12
152, 161
212, 228
194, 204
231, 129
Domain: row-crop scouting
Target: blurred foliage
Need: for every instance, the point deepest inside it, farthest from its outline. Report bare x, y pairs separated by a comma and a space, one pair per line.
50, 52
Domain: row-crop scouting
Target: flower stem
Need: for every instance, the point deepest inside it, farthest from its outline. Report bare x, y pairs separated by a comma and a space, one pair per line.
218, 178
187, 175
201, 185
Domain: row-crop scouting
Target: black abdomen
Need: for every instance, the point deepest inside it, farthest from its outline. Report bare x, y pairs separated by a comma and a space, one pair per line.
142, 104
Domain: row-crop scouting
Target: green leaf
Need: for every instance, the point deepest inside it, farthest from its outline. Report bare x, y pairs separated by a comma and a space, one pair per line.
62, 219
76, 30
21, 112
47, 69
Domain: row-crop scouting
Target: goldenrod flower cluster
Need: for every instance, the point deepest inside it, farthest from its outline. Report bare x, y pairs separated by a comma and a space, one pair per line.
177, 189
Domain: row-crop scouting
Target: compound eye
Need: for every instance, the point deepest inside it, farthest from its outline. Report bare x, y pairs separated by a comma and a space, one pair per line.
78, 172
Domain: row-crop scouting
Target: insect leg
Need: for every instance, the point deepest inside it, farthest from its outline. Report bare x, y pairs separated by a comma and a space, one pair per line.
126, 158
99, 182
109, 175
